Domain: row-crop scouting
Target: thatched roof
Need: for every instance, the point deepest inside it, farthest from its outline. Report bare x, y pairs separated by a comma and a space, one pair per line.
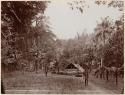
80, 68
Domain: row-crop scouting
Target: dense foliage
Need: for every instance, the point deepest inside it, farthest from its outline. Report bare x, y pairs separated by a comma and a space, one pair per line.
105, 45
20, 39
27, 38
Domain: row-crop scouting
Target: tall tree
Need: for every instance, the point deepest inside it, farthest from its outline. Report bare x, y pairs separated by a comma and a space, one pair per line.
103, 32
18, 31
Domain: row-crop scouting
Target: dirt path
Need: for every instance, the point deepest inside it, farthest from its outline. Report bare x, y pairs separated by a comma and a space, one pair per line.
98, 90
93, 88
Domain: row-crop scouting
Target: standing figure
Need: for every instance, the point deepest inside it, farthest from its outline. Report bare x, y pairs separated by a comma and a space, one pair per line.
46, 70
86, 76
46, 66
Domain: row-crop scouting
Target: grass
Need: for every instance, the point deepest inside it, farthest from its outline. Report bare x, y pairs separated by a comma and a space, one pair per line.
56, 84
38, 81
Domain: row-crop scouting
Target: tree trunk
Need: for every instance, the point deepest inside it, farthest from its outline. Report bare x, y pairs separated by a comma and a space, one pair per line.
101, 71
116, 77
2, 88
107, 74
58, 69
101, 61
36, 66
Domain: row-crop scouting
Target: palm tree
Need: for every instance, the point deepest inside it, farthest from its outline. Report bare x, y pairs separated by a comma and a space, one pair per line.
102, 34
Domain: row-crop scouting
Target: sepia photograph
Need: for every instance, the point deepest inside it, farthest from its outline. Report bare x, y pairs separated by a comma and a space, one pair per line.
62, 47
